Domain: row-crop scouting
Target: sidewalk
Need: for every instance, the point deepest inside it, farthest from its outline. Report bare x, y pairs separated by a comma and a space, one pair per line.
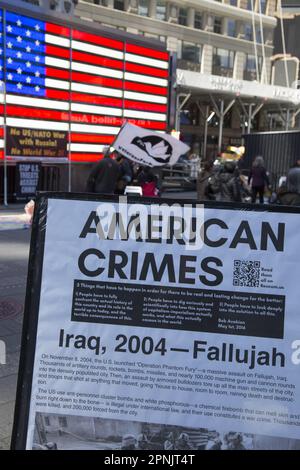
13, 217
14, 247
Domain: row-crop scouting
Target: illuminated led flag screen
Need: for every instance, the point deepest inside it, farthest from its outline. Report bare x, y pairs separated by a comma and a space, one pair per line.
64, 79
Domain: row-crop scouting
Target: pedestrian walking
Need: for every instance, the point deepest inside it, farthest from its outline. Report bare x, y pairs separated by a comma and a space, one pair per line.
259, 179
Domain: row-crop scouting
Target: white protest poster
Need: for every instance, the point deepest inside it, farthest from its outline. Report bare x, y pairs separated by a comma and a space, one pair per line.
147, 147
161, 326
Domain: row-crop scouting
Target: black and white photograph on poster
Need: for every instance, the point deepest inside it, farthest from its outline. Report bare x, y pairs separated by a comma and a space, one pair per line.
69, 432
165, 313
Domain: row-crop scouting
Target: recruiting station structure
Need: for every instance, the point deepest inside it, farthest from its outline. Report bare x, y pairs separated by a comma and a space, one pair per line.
158, 322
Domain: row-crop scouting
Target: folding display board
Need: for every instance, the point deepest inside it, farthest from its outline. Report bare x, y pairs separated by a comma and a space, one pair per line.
156, 324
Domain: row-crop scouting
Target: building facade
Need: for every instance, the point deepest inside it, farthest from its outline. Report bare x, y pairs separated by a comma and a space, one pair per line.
224, 49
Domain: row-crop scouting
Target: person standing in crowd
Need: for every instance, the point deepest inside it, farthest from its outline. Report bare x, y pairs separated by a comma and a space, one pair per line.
289, 194
125, 173
148, 181
202, 181
104, 176
225, 184
258, 176
193, 162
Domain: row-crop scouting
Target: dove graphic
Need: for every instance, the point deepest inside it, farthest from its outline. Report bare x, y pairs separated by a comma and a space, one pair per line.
156, 147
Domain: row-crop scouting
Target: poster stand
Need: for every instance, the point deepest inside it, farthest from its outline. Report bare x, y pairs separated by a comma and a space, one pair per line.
188, 348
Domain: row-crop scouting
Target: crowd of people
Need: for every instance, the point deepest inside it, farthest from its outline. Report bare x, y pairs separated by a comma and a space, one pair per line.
225, 182
216, 180
114, 173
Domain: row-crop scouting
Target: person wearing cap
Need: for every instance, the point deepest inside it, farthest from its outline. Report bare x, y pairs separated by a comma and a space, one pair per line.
104, 176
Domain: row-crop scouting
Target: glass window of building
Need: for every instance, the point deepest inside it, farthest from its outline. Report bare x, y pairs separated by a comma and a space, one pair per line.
223, 61
191, 52
188, 52
248, 32
250, 72
182, 16
198, 20
258, 35
143, 8
231, 28
161, 10
119, 5
233, 3
249, 4
218, 25
263, 6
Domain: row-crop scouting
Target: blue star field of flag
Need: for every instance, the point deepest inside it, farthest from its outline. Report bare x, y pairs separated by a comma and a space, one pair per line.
25, 52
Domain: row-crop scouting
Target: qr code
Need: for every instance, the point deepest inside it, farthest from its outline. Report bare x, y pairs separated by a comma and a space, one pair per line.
246, 273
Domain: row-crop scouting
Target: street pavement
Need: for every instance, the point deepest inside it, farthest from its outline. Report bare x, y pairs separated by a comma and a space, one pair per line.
14, 251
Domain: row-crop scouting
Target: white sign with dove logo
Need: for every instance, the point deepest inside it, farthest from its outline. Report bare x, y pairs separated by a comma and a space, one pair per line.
147, 147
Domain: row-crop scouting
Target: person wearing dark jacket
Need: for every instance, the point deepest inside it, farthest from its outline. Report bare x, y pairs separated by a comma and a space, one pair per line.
290, 195
104, 176
125, 173
225, 184
202, 181
259, 178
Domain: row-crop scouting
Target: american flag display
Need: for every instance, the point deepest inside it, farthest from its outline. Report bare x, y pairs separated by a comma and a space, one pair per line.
65, 79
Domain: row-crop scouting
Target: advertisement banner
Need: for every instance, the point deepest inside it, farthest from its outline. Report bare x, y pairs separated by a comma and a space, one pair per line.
160, 325
39, 144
